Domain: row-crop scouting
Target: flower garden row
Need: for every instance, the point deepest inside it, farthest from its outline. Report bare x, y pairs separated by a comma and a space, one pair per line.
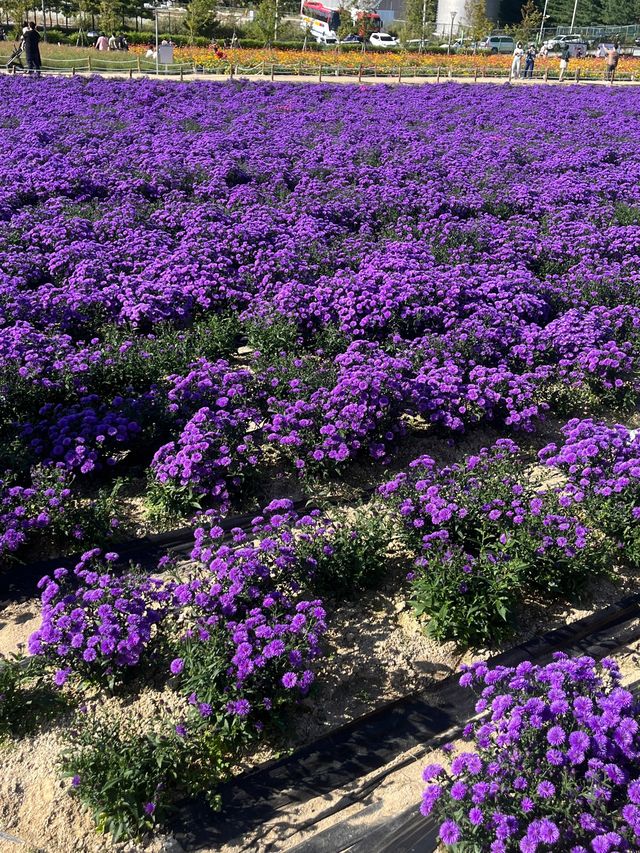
388, 60
395, 263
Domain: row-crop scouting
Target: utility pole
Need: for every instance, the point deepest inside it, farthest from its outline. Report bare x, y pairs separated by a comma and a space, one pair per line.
544, 17
453, 17
573, 19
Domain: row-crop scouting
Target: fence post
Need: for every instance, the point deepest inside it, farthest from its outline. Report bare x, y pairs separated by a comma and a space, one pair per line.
577, 75
131, 74
262, 68
181, 75
89, 63
360, 73
546, 74
484, 71
399, 73
320, 73
231, 71
138, 60
438, 75
272, 72
73, 70
475, 74
449, 73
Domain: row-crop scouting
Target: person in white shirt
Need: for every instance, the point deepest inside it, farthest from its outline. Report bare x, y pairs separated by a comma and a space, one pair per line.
518, 53
113, 44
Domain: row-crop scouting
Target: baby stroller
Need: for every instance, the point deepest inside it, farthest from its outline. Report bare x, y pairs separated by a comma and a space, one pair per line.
15, 60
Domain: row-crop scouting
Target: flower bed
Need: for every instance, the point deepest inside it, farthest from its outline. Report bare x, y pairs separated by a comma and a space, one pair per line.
239, 290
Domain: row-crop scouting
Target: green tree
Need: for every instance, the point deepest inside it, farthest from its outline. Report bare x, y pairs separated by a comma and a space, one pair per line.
198, 18
266, 19
475, 17
347, 26
587, 12
110, 15
529, 26
621, 12
417, 12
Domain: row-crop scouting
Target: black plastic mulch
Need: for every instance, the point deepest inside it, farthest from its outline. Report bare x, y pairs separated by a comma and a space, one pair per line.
371, 742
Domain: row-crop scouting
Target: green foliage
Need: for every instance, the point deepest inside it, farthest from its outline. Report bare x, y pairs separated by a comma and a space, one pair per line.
110, 15
198, 19
25, 701
468, 607
351, 556
475, 14
266, 17
420, 19
529, 26
130, 777
170, 502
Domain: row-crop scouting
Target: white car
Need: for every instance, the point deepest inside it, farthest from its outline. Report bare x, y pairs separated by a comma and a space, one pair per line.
559, 42
326, 39
383, 40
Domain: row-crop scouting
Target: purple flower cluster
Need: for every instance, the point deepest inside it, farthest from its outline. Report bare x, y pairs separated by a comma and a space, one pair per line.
247, 603
94, 621
555, 765
601, 464
485, 533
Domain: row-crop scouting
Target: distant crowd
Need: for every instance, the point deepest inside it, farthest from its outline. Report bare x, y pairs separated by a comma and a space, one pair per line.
610, 53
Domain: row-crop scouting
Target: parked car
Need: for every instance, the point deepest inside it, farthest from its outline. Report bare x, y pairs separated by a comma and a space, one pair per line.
383, 40
412, 44
558, 42
326, 39
498, 44
352, 39
458, 44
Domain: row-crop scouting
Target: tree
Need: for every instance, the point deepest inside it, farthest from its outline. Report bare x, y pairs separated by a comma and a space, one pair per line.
110, 14
621, 12
417, 12
347, 25
198, 18
475, 16
266, 18
529, 26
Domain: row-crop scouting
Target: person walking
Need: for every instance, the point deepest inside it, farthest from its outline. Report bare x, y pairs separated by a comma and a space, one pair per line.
613, 55
31, 41
113, 44
517, 59
564, 61
102, 43
530, 61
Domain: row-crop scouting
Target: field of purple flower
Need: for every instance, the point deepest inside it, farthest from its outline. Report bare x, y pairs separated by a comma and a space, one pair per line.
211, 294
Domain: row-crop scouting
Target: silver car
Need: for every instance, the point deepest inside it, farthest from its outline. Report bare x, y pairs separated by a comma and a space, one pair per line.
498, 44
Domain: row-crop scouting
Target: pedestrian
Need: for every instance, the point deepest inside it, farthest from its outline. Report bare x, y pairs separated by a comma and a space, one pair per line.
530, 61
102, 43
613, 55
31, 41
113, 44
517, 59
564, 61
